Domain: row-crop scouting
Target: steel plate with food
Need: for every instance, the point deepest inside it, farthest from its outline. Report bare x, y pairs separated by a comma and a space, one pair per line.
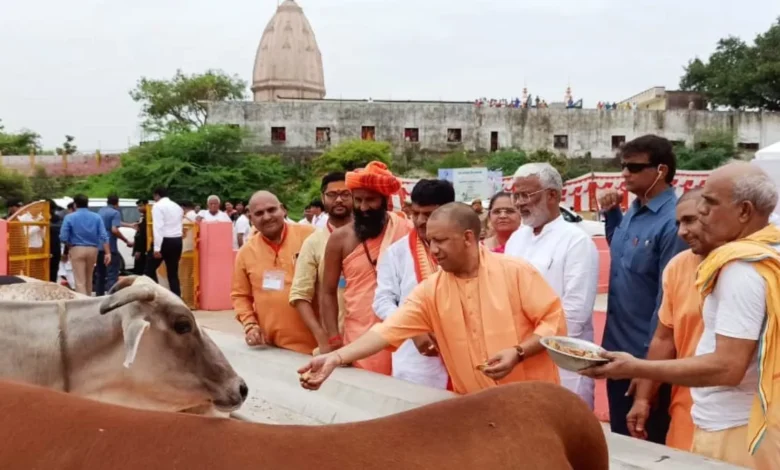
573, 354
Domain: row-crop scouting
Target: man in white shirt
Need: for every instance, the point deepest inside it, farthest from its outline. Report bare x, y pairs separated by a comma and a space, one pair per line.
724, 376
241, 229
189, 211
307, 216
405, 264
213, 214
565, 255
319, 216
167, 219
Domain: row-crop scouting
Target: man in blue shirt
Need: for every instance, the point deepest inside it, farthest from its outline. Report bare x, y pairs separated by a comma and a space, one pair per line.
641, 243
84, 233
108, 274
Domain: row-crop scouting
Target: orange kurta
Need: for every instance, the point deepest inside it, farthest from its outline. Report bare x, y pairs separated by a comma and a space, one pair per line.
261, 289
681, 312
360, 275
473, 319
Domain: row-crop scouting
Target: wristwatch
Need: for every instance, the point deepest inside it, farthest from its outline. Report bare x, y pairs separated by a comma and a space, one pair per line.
520, 353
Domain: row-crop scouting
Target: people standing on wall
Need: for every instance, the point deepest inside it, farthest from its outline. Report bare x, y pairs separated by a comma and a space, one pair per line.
167, 228
141, 239
108, 274
84, 232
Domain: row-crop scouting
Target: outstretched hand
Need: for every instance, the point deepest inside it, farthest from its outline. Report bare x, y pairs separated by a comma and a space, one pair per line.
313, 374
620, 366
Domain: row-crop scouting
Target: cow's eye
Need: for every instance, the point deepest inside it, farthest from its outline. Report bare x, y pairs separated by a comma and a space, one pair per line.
182, 327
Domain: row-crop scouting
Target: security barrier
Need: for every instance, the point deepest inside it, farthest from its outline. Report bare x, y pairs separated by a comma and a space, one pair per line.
28, 241
189, 273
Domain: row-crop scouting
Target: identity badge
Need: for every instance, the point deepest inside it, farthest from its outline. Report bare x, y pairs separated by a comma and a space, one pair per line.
273, 280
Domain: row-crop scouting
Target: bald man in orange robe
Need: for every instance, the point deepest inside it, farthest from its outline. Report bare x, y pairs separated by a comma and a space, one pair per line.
355, 250
486, 311
262, 277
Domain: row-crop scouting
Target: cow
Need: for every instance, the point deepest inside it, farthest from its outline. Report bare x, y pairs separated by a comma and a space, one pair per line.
139, 346
522, 426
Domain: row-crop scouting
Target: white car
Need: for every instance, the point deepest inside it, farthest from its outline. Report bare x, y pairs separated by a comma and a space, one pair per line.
591, 227
129, 213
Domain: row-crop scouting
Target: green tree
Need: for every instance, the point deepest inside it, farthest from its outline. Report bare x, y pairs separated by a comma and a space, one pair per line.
196, 164
68, 148
740, 75
508, 161
451, 160
20, 143
711, 150
180, 103
13, 185
353, 154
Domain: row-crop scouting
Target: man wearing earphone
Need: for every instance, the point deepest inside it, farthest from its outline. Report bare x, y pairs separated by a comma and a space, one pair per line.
641, 243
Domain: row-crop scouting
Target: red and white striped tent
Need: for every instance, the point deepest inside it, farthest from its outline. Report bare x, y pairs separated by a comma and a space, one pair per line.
582, 192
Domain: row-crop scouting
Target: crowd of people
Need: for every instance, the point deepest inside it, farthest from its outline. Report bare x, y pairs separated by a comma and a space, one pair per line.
452, 296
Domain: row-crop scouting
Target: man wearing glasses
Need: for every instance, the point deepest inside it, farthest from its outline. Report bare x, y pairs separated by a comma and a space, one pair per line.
310, 267
565, 256
641, 243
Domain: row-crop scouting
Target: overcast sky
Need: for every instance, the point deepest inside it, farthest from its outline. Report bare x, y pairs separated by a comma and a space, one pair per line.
66, 66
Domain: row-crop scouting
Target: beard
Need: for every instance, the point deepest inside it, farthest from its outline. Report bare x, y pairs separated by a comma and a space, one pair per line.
369, 224
537, 217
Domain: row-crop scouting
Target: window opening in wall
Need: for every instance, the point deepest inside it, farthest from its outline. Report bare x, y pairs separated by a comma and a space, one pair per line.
678, 143
368, 133
454, 136
748, 145
493, 141
233, 126
617, 141
412, 134
278, 134
561, 142
323, 135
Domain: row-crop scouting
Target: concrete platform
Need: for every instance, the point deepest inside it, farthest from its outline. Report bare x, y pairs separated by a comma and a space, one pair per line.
355, 395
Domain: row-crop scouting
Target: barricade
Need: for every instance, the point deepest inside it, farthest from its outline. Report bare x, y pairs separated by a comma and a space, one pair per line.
28, 241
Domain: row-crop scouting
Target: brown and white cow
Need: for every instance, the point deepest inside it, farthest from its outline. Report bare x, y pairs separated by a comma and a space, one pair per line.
523, 426
140, 346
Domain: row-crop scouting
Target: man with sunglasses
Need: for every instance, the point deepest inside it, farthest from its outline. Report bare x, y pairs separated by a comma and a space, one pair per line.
565, 256
641, 243
310, 267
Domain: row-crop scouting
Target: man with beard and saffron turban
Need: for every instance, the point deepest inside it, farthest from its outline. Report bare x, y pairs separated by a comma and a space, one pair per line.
487, 312
355, 250
262, 277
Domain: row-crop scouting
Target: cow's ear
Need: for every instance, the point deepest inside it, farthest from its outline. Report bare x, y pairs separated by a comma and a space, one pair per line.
123, 282
133, 329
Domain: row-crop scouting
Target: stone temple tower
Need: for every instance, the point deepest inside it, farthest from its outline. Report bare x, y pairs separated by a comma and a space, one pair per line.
288, 62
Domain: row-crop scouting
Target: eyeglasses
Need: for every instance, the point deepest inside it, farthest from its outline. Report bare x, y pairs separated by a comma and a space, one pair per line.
636, 167
525, 197
344, 195
503, 211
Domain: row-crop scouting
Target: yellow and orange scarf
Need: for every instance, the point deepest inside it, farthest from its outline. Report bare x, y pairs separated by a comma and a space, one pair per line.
755, 249
424, 263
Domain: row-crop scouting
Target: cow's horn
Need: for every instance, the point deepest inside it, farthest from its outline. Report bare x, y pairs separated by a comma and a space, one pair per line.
123, 282
142, 293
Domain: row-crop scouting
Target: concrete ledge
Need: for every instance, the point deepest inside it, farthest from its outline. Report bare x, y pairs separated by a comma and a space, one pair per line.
356, 395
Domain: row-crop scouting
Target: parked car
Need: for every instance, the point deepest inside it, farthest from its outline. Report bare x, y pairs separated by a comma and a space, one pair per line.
129, 213
591, 227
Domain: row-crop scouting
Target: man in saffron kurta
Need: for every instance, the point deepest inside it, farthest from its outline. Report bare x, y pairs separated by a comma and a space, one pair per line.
355, 250
679, 328
486, 311
263, 272
407, 263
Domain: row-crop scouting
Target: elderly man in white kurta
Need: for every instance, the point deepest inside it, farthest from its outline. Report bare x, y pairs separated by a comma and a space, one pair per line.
405, 264
564, 254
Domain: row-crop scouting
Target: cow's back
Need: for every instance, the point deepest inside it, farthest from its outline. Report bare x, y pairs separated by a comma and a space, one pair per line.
521, 426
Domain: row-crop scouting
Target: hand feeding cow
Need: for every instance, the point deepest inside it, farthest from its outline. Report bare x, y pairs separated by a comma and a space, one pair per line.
522, 426
140, 346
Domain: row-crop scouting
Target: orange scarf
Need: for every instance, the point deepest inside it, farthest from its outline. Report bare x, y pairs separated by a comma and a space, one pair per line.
424, 263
